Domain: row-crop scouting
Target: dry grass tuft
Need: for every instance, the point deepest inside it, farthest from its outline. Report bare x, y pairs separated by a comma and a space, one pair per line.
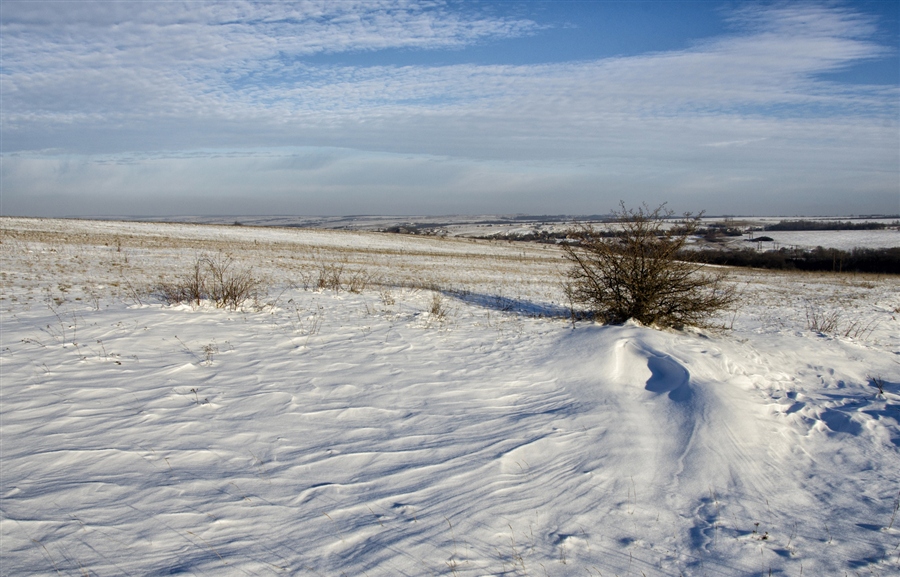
217, 279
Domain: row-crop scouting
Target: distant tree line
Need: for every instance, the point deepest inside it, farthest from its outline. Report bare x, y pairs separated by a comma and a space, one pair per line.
785, 225
717, 232
865, 260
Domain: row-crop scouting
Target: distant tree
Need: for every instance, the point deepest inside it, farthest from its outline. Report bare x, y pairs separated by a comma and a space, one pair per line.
825, 225
632, 270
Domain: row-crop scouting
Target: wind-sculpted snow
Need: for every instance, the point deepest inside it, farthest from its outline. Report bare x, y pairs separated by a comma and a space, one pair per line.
362, 434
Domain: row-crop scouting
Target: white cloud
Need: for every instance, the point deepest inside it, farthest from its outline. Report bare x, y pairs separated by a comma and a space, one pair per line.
212, 61
219, 63
749, 106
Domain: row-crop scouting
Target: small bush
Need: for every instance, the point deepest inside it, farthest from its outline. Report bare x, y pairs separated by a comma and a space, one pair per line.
216, 279
336, 277
633, 272
230, 286
330, 276
191, 288
831, 322
358, 281
822, 322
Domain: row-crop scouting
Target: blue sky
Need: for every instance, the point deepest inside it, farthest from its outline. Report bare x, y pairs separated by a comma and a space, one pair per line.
383, 107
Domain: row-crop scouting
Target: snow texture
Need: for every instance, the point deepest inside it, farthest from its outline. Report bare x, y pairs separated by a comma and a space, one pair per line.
447, 419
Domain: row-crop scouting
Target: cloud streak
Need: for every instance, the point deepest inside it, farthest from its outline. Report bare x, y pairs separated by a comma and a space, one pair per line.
750, 105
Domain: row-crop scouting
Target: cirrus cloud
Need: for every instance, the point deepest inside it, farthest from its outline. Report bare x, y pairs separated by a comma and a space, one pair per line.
749, 110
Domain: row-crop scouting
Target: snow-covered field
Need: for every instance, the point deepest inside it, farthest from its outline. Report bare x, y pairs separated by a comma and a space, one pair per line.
447, 419
506, 226
839, 239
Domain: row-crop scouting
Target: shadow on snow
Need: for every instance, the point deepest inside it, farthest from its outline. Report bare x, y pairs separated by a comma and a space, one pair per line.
506, 304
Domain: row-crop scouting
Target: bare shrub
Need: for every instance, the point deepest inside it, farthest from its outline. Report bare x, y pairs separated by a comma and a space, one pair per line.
330, 276
831, 322
822, 322
230, 286
190, 288
336, 277
633, 271
217, 279
358, 281
171, 293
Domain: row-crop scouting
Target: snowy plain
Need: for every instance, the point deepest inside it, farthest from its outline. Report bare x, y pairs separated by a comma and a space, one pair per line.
447, 418
512, 226
839, 239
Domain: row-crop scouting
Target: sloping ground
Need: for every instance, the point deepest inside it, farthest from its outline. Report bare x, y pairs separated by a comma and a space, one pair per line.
378, 434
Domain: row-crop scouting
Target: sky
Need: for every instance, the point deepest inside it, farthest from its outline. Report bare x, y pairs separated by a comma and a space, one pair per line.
156, 108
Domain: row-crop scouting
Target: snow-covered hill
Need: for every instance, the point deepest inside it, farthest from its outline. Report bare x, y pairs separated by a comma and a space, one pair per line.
447, 419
